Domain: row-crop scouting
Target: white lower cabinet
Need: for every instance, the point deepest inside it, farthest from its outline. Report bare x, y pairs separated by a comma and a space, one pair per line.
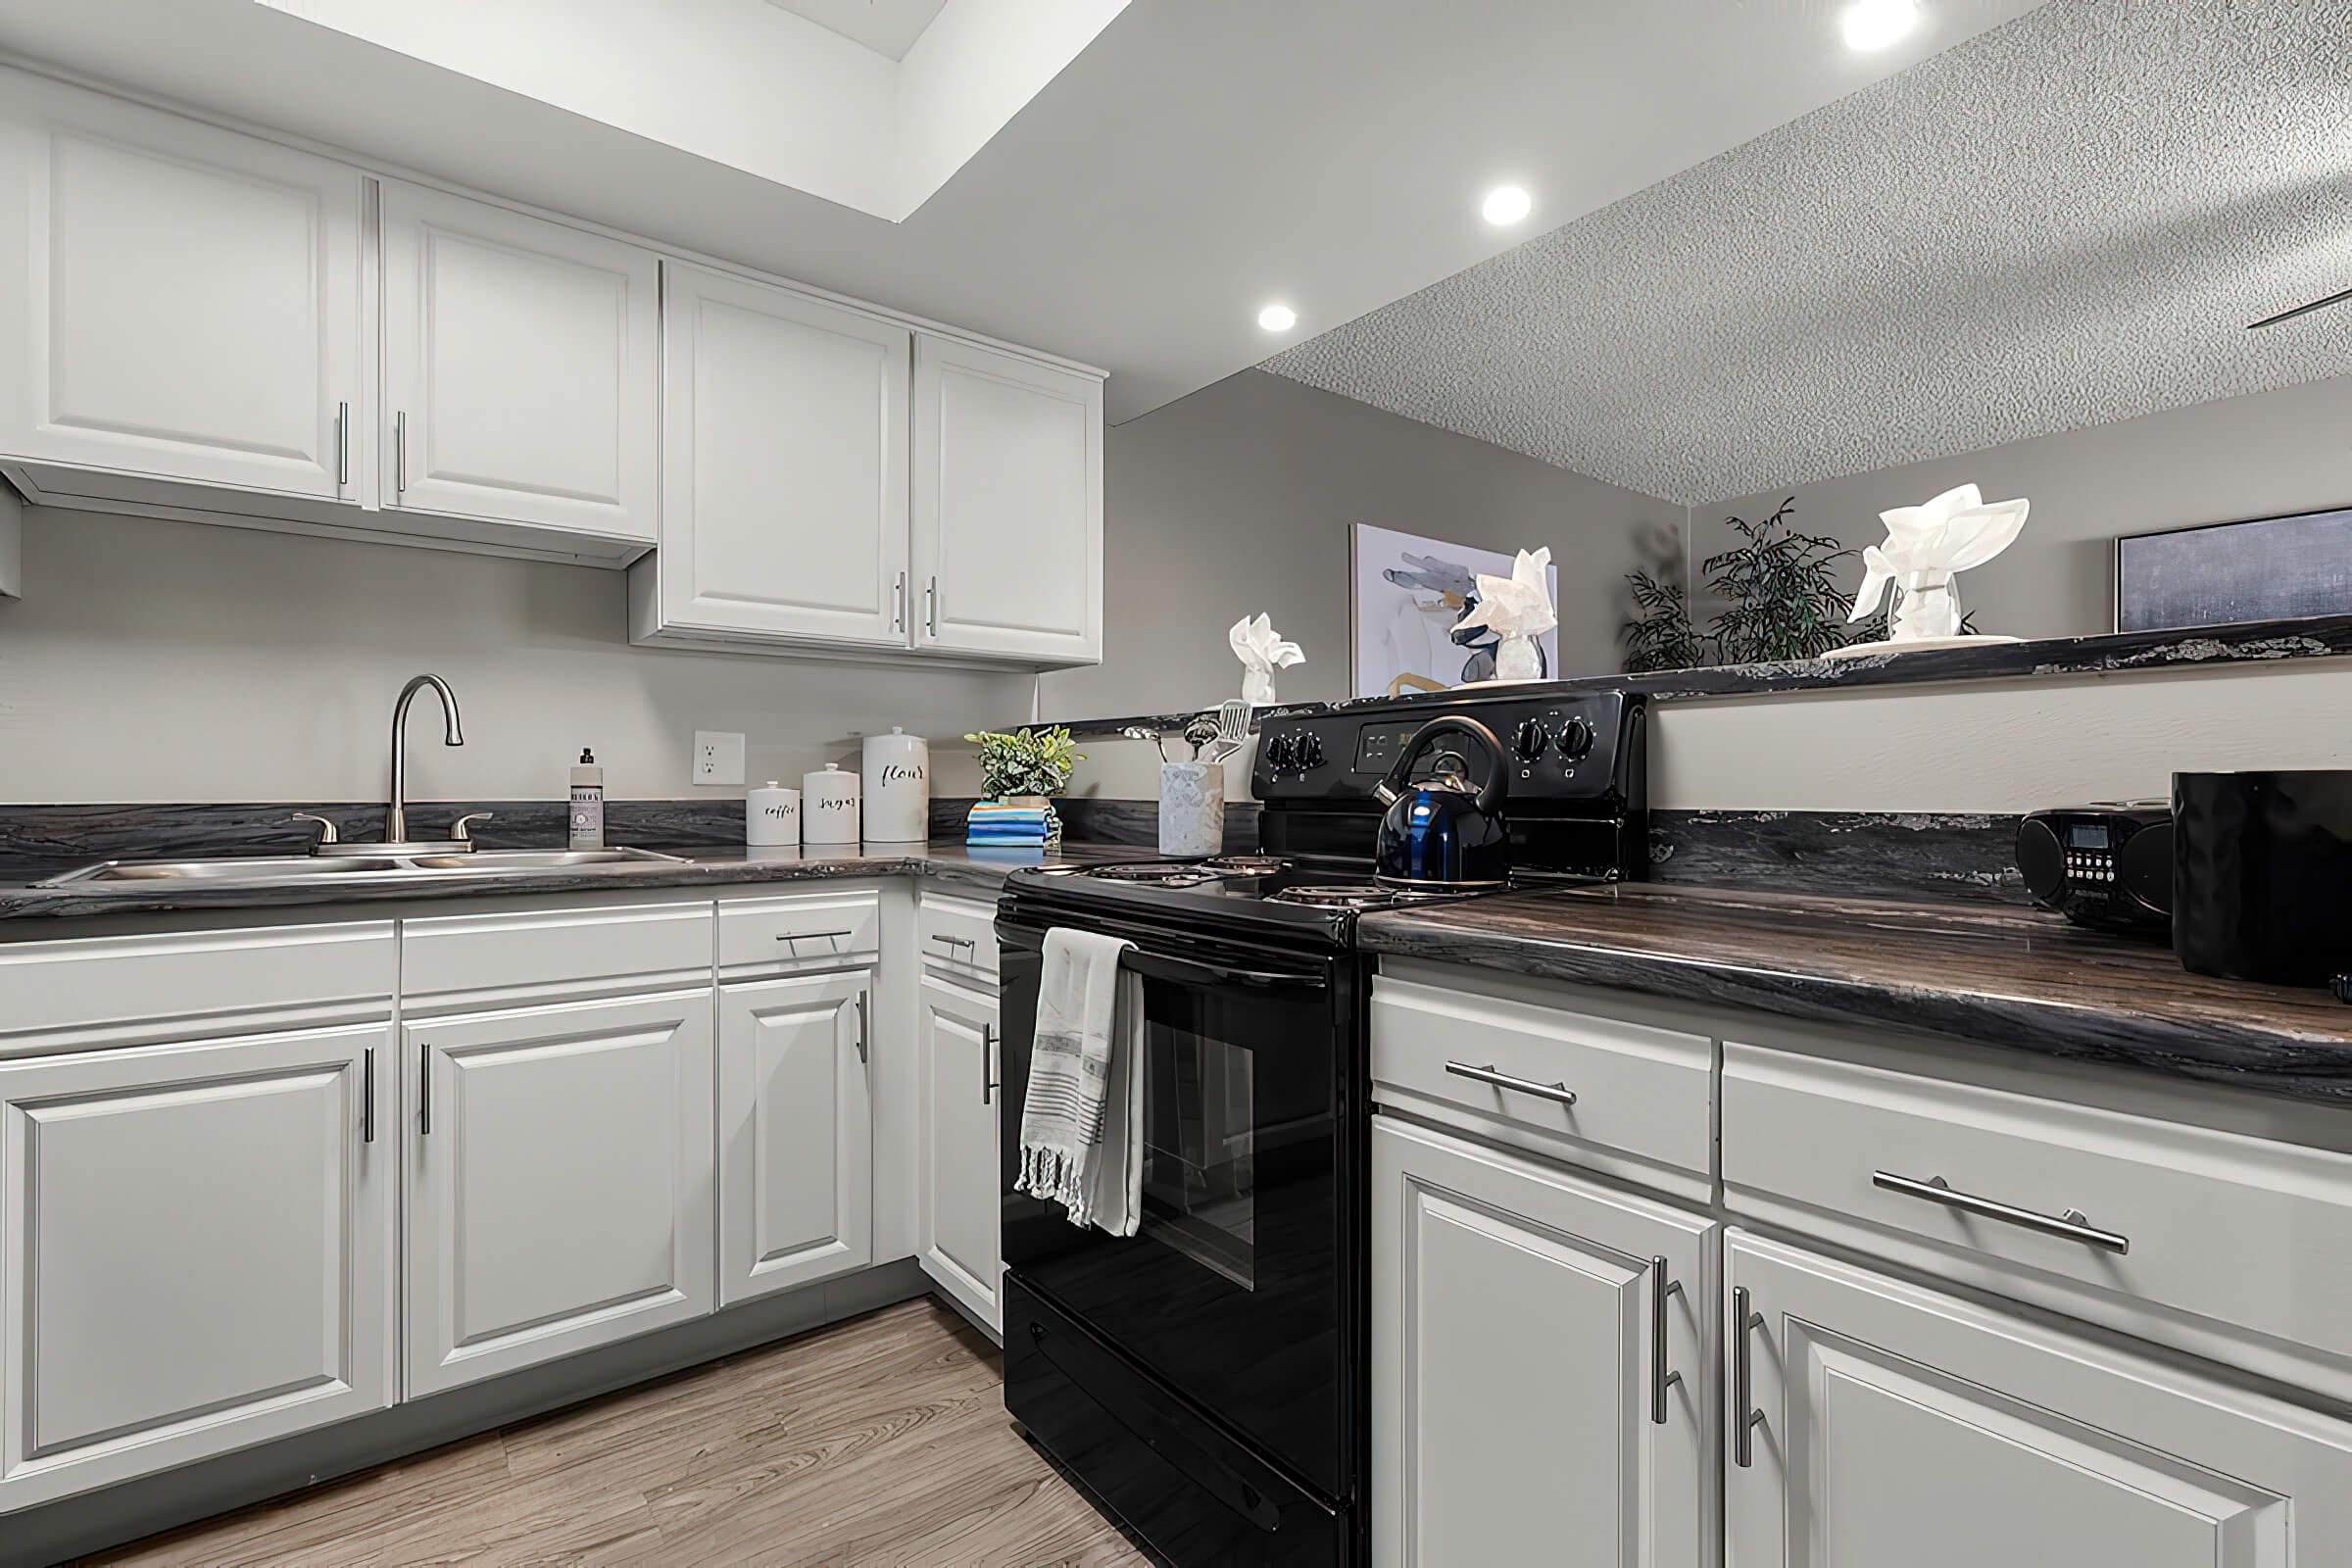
1898, 1425
958, 1225
1524, 1403
795, 1130
559, 1181
197, 1251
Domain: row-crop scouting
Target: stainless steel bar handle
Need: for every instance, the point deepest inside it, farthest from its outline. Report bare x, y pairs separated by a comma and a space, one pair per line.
988, 1049
342, 445
898, 616
1661, 1290
863, 1059
400, 452
1561, 1094
811, 936
1745, 1320
953, 941
2074, 1225
931, 607
367, 1096
425, 1090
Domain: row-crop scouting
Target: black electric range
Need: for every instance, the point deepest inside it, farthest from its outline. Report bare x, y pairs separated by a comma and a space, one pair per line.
1205, 1380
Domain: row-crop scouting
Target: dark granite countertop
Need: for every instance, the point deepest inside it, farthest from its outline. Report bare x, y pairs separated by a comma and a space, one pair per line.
2010, 977
953, 866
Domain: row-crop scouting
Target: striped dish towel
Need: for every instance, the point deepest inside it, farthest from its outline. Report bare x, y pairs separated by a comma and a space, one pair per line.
1081, 1123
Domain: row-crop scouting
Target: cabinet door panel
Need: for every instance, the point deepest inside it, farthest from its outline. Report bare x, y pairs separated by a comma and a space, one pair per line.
182, 302
561, 1185
784, 468
959, 1227
523, 355
1904, 1425
1513, 1356
198, 1253
796, 1129
1007, 505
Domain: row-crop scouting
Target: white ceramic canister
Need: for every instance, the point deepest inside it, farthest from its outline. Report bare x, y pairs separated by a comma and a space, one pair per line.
829, 807
897, 788
771, 816
1191, 809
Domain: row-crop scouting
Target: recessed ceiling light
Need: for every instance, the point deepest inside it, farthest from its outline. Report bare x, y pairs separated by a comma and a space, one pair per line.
1278, 317
1505, 204
1872, 24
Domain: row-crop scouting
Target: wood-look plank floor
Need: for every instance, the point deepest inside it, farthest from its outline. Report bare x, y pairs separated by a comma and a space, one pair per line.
880, 1441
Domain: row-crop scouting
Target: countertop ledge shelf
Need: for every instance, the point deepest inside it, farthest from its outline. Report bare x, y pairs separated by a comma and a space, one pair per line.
2013, 978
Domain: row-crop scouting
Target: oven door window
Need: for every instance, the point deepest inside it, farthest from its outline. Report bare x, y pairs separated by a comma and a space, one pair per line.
1199, 1139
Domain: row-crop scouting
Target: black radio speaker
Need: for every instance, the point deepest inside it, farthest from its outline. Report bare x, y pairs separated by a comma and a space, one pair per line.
2108, 866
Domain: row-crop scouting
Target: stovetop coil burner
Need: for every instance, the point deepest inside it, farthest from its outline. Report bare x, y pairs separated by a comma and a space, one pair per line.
1352, 896
1246, 865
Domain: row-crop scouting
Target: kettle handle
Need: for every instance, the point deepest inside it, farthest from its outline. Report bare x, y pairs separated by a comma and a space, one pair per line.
1489, 794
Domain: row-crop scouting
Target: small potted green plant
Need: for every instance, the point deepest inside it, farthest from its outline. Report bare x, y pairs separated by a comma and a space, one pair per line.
1019, 773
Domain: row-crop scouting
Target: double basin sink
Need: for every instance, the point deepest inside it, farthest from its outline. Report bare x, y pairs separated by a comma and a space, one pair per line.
263, 870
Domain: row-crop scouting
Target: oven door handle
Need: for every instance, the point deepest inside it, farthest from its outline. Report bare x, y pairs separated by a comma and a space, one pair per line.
1190, 972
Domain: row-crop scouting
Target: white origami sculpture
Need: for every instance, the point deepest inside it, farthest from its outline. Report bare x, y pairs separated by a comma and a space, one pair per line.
1261, 651
1926, 545
1517, 610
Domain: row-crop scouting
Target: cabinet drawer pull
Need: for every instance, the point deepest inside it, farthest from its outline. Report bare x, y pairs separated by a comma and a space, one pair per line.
1561, 1094
988, 1049
1661, 1290
425, 1090
1745, 1320
367, 1096
2074, 1225
811, 936
954, 941
863, 1059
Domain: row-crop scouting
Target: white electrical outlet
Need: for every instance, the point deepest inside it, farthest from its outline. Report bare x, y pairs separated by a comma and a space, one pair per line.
717, 756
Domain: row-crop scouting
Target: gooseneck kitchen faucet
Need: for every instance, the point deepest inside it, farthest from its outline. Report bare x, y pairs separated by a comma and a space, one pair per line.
396, 809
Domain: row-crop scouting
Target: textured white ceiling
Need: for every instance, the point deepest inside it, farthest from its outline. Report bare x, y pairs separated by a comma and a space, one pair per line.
2066, 220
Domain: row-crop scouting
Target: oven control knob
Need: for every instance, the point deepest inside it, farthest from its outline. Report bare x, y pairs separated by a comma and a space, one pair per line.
1576, 739
1281, 751
1308, 751
1528, 741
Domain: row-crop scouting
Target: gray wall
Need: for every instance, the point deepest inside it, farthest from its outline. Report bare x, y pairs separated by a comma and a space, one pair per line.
159, 660
1238, 499
2251, 456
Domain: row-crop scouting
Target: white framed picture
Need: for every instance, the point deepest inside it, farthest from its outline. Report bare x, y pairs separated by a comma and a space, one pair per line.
1405, 595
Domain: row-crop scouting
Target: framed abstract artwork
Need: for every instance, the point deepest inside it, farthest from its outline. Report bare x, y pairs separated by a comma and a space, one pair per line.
1405, 595
2224, 573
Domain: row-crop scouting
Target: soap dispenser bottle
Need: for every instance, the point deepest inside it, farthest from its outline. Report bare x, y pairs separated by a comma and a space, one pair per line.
587, 802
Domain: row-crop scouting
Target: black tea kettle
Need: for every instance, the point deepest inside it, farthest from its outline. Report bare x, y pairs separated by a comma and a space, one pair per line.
1441, 834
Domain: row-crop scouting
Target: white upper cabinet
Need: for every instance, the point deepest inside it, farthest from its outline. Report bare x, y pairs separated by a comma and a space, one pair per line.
519, 368
1008, 505
784, 468
178, 303
195, 1252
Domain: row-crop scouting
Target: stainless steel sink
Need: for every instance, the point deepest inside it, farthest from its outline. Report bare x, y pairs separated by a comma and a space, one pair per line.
537, 860
254, 868
263, 869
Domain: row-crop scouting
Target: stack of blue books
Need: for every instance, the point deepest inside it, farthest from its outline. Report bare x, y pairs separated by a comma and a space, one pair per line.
1013, 825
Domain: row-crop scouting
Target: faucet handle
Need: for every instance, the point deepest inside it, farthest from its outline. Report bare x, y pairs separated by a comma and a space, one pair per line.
459, 832
328, 833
